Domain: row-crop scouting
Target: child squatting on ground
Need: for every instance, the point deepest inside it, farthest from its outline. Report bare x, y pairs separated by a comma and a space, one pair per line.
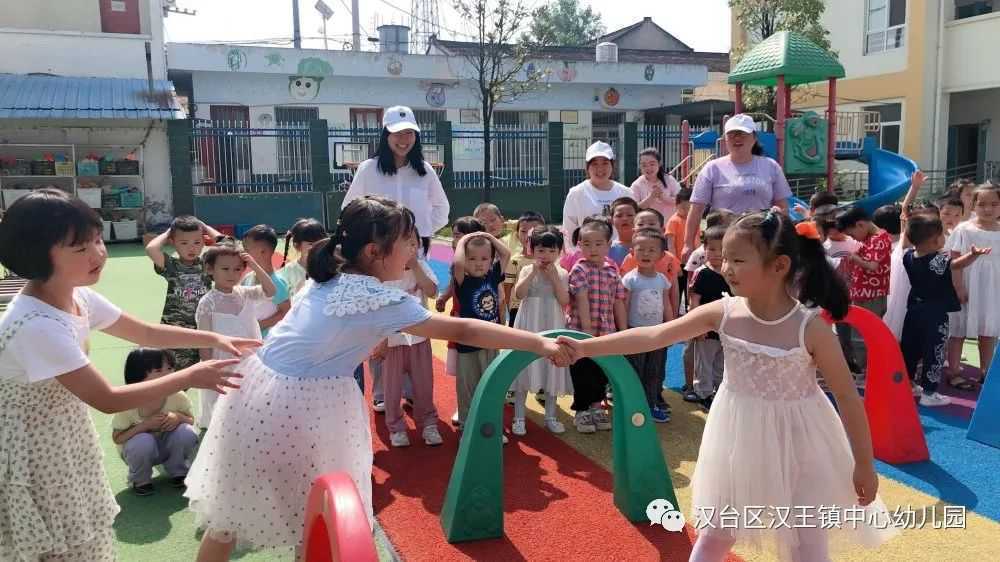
53, 484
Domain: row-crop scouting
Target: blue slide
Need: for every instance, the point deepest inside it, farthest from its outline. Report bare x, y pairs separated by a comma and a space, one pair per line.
888, 178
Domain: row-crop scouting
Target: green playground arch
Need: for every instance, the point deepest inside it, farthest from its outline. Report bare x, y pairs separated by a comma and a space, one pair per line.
473, 503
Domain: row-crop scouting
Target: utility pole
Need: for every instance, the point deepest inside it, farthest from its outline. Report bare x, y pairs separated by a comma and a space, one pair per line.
326, 13
296, 34
355, 26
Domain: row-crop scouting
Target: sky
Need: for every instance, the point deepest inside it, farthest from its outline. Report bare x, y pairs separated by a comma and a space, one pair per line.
702, 24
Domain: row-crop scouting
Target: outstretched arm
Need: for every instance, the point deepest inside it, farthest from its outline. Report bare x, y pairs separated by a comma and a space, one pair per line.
826, 352
640, 340
488, 335
172, 337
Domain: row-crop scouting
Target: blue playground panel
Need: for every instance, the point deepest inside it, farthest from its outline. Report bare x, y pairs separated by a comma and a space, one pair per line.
985, 424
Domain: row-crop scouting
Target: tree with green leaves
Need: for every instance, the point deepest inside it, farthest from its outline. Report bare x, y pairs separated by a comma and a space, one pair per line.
499, 66
762, 19
565, 22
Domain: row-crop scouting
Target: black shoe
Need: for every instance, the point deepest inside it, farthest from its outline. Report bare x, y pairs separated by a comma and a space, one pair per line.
408, 403
707, 403
540, 397
144, 490
178, 482
691, 396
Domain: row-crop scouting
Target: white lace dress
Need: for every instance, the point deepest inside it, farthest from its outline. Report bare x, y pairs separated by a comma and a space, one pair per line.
298, 414
979, 316
541, 311
773, 441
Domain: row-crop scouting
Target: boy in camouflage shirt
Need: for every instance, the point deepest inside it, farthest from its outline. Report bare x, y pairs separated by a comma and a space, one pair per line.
186, 278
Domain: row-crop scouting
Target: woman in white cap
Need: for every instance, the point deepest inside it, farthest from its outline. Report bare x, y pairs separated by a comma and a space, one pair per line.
398, 171
744, 180
594, 195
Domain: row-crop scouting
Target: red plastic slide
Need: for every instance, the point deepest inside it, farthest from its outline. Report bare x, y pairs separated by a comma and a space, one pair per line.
897, 436
336, 524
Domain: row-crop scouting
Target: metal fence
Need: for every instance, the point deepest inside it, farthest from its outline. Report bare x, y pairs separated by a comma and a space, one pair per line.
351, 147
518, 157
231, 157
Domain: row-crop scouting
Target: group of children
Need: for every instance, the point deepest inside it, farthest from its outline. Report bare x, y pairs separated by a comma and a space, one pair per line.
928, 270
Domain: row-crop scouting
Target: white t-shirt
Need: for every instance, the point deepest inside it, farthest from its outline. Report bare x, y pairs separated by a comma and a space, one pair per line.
409, 284
39, 341
584, 200
421, 194
837, 250
697, 259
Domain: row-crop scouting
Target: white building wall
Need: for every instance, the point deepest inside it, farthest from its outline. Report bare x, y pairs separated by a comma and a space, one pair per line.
969, 46
845, 20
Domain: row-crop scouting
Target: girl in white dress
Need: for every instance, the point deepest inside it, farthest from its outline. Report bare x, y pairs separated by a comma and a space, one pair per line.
303, 235
543, 289
299, 413
55, 502
229, 308
980, 314
774, 449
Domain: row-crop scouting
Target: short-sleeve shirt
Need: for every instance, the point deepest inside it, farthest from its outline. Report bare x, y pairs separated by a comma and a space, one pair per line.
710, 286
645, 298
618, 253
665, 204
584, 200
867, 285
698, 258
604, 287
677, 228
269, 307
39, 341
178, 403
930, 282
186, 284
753, 186
408, 284
334, 326
668, 265
294, 275
479, 298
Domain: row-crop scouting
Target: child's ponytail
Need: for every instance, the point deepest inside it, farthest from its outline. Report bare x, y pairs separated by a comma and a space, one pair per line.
304, 230
324, 261
819, 285
288, 242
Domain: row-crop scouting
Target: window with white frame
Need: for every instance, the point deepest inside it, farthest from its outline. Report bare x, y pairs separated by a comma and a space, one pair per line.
885, 25
891, 118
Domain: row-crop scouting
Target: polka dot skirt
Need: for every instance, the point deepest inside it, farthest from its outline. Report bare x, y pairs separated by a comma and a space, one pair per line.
267, 443
55, 502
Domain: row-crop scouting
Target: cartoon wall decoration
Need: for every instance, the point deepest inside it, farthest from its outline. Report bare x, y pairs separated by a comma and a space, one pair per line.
611, 97
394, 66
274, 59
304, 86
805, 144
435, 95
236, 59
649, 73
568, 72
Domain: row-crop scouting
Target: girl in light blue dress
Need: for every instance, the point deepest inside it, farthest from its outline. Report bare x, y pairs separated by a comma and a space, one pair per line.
300, 413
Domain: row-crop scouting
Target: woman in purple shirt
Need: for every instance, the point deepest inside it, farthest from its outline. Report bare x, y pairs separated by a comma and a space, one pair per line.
745, 180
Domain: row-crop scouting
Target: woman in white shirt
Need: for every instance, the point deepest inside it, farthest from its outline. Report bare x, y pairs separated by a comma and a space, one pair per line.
594, 195
398, 171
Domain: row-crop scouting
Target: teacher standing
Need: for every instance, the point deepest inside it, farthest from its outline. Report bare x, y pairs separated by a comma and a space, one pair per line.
398, 171
742, 181
594, 195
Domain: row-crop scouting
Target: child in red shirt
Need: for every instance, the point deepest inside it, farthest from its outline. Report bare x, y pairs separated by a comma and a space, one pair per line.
869, 274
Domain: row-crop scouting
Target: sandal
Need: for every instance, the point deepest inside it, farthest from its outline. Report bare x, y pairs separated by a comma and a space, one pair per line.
961, 383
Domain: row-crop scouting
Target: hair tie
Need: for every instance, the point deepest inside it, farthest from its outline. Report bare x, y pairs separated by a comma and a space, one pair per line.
808, 229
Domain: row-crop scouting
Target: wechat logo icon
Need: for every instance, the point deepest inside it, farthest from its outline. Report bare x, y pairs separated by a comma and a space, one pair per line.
662, 512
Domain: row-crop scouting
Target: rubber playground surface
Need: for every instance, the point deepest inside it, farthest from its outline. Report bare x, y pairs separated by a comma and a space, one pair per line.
557, 489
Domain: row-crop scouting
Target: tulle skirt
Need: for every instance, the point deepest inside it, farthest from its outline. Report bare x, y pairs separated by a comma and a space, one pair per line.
268, 441
770, 468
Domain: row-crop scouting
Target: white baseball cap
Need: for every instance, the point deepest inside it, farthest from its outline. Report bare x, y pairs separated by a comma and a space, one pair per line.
741, 122
399, 118
600, 148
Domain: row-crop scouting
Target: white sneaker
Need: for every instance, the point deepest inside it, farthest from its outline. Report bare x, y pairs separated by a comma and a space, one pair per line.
934, 399
518, 427
505, 440
917, 390
399, 439
601, 419
454, 418
554, 425
432, 436
378, 406
859, 380
584, 423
